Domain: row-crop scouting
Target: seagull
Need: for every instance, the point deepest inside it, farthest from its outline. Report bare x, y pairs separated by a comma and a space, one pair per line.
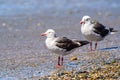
94, 31
61, 45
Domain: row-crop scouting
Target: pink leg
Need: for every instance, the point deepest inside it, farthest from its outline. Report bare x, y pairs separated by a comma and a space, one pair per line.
90, 46
58, 60
95, 45
58, 65
62, 61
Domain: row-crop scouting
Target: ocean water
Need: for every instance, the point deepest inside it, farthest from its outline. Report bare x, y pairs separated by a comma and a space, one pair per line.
22, 7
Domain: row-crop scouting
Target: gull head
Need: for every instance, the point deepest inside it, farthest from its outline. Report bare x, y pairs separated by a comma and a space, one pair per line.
50, 33
85, 19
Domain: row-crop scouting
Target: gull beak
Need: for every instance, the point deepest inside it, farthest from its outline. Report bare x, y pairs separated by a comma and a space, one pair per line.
43, 34
81, 22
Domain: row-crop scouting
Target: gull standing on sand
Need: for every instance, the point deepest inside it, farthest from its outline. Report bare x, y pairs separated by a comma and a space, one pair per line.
61, 45
94, 31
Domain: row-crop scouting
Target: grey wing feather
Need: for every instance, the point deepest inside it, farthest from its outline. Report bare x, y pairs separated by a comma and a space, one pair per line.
66, 43
100, 29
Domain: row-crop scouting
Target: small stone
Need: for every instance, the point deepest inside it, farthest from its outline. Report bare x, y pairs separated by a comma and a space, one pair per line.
4, 24
67, 72
32, 65
38, 24
73, 58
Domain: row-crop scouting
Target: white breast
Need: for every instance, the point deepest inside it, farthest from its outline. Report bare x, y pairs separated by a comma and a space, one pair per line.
87, 31
51, 45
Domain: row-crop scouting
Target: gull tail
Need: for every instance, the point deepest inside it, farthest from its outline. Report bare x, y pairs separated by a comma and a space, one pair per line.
112, 31
81, 43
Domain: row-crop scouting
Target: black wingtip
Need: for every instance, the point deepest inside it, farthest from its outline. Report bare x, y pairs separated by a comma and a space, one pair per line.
112, 30
84, 42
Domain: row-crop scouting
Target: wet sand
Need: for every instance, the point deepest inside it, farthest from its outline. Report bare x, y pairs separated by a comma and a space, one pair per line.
23, 54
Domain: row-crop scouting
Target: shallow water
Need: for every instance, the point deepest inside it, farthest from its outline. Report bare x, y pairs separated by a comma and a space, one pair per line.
22, 7
23, 54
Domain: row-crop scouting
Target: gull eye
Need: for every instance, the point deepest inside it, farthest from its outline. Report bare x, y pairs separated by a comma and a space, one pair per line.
48, 32
87, 19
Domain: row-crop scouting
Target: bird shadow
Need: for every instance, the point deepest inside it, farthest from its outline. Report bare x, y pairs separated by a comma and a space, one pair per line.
109, 48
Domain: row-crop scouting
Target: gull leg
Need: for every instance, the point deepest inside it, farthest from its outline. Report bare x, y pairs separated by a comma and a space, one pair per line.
58, 60
90, 46
58, 64
62, 61
95, 45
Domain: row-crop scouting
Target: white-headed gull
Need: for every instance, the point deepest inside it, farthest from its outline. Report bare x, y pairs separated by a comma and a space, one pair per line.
93, 30
61, 45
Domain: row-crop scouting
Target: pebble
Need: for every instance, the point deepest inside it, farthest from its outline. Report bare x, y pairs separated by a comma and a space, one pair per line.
73, 58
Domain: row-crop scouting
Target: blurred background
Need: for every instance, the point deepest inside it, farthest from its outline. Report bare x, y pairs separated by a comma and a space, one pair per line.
22, 50
54, 7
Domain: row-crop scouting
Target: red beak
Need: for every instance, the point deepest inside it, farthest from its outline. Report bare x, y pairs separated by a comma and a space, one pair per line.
81, 22
43, 34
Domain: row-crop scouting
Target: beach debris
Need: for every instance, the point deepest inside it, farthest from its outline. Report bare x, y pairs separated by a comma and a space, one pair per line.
105, 72
73, 58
